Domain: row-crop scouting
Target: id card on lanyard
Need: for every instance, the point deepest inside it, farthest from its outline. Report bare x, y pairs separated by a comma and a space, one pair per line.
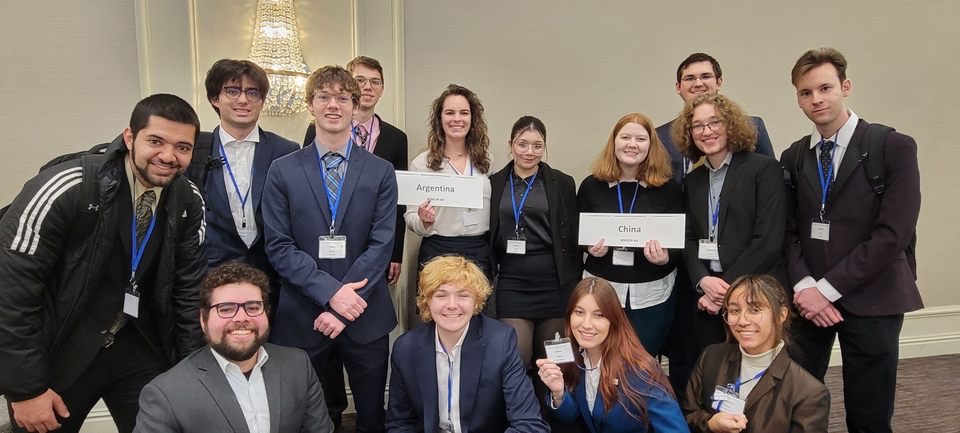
333, 246
518, 243
131, 294
709, 248
820, 228
623, 256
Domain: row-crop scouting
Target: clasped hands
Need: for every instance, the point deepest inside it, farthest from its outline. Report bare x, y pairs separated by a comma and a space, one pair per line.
347, 303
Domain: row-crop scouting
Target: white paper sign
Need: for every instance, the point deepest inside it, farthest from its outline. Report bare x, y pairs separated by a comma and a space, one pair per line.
447, 190
632, 230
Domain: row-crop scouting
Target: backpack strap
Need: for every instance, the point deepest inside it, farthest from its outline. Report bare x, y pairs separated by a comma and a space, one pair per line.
202, 162
876, 139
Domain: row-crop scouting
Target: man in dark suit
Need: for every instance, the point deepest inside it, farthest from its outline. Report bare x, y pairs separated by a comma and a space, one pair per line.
100, 259
329, 215
238, 383
241, 153
699, 73
848, 254
386, 141
460, 370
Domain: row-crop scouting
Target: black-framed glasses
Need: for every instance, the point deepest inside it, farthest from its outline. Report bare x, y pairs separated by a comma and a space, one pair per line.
362, 81
752, 314
700, 128
233, 92
228, 310
689, 79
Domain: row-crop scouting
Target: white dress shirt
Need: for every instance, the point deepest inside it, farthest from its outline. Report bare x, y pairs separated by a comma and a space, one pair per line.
842, 140
448, 384
591, 380
451, 221
251, 392
239, 153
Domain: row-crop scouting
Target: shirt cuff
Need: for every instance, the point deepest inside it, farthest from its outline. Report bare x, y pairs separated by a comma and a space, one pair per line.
827, 290
804, 283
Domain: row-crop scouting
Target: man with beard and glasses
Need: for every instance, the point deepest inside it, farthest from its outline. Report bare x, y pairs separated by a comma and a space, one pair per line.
100, 260
239, 382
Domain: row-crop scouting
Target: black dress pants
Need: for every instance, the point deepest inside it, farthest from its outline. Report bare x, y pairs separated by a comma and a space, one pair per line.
366, 366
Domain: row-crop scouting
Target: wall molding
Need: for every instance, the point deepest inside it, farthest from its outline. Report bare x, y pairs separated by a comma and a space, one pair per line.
929, 332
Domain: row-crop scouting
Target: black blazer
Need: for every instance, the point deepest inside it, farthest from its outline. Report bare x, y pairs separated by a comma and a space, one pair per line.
564, 219
392, 147
753, 212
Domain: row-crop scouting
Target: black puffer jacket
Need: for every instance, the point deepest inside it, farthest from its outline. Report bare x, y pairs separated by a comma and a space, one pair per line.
55, 240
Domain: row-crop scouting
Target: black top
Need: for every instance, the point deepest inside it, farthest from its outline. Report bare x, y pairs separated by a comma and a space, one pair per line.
598, 196
534, 218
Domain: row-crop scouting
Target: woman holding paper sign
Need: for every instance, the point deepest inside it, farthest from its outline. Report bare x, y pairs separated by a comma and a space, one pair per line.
457, 144
613, 384
632, 175
769, 392
533, 231
736, 206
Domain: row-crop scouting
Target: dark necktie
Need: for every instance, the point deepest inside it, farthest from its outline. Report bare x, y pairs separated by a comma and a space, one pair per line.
144, 213
362, 135
826, 162
332, 161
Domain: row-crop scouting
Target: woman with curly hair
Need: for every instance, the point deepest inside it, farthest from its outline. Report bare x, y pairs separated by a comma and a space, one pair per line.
736, 206
614, 385
457, 144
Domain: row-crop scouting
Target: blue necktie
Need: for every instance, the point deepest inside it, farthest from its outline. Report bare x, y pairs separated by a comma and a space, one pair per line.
332, 161
826, 160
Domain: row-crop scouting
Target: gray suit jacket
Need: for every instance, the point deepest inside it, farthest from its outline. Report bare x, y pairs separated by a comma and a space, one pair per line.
194, 396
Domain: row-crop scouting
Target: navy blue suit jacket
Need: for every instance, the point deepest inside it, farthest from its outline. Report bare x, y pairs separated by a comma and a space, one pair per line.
764, 146
496, 395
223, 243
296, 214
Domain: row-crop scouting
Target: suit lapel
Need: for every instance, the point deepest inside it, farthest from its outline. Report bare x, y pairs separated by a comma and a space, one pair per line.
771, 377
471, 364
354, 170
272, 381
310, 162
553, 196
699, 194
810, 163
592, 422
212, 378
217, 193
262, 156
426, 371
728, 191
851, 158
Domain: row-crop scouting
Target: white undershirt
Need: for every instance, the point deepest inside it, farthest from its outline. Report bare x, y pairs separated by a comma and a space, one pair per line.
591, 380
240, 154
751, 365
251, 392
449, 421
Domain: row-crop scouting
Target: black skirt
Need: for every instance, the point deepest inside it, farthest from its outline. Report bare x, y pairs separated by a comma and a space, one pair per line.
528, 287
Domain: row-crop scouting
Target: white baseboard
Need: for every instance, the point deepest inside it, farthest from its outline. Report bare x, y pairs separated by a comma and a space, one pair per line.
928, 332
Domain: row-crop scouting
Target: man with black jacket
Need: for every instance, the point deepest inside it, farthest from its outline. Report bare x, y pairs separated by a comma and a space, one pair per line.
99, 291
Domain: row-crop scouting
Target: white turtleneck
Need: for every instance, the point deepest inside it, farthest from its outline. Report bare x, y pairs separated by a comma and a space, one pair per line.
751, 365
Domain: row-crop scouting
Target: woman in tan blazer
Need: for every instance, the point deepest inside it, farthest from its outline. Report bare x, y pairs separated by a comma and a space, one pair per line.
760, 388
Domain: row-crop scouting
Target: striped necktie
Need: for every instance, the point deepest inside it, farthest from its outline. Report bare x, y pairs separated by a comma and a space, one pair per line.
332, 161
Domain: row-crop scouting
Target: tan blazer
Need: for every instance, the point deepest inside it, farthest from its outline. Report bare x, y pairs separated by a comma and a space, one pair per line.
785, 399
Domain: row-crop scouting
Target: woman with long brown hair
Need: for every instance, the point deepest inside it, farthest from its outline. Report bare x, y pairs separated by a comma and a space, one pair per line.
614, 385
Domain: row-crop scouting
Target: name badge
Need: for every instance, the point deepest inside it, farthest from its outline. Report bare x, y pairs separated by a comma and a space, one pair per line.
820, 230
622, 257
333, 247
559, 350
708, 250
728, 402
516, 246
131, 304
471, 217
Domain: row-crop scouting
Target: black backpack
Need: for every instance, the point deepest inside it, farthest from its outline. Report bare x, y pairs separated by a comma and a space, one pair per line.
873, 167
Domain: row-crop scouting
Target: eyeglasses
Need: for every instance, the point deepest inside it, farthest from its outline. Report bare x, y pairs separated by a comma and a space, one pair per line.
228, 310
700, 128
752, 314
690, 79
523, 146
374, 82
325, 98
233, 92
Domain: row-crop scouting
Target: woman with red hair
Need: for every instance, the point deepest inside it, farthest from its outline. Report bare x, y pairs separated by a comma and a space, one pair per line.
613, 383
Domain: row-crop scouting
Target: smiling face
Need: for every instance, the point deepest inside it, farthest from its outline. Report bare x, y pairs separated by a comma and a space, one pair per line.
369, 93
821, 96
631, 145
589, 326
698, 78
161, 151
451, 308
527, 149
709, 132
332, 108
239, 338
455, 117
752, 322
241, 113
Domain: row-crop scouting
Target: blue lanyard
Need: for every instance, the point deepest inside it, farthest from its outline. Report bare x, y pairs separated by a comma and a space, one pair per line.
243, 197
715, 218
523, 199
449, 386
136, 251
620, 198
736, 385
826, 179
333, 202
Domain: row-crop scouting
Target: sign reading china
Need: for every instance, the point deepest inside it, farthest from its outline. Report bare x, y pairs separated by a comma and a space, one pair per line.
415, 187
633, 229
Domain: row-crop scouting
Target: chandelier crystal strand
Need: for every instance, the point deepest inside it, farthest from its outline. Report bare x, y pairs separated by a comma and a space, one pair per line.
276, 48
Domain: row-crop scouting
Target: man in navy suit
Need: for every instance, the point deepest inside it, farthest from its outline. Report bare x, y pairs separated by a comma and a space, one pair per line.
329, 214
460, 370
241, 153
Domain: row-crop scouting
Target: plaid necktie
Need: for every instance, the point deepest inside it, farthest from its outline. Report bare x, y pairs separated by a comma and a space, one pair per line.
144, 213
331, 161
362, 135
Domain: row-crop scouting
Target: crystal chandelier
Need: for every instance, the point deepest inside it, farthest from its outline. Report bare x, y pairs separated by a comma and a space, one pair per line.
276, 48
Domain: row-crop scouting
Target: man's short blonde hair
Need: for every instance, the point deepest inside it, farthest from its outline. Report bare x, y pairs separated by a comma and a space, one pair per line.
456, 271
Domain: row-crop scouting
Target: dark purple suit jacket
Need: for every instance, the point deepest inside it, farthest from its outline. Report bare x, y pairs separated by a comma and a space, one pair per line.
865, 259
